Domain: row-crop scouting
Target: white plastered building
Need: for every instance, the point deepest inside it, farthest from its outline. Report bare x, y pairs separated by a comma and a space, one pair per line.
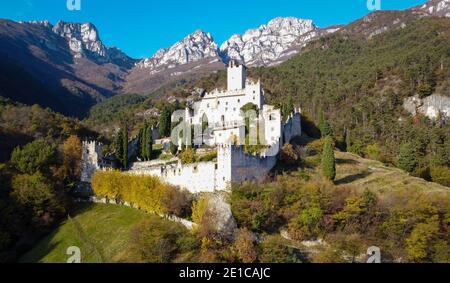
226, 131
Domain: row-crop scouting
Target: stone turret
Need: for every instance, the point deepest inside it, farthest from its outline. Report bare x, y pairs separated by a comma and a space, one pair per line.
236, 76
91, 160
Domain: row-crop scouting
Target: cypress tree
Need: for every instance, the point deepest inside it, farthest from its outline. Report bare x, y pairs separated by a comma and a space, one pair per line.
125, 148
328, 163
165, 122
348, 141
149, 140
141, 143
144, 143
325, 128
119, 146
321, 121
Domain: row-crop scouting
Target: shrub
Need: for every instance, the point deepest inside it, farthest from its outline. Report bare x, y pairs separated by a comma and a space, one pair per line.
176, 201
245, 246
441, 175
199, 209
157, 240
316, 146
210, 156
419, 243
289, 155
188, 156
274, 250
374, 152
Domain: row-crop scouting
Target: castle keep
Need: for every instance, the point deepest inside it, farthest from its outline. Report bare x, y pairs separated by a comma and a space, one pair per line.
226, 134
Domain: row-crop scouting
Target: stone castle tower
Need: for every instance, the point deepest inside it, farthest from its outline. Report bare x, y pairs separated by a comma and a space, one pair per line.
91, 159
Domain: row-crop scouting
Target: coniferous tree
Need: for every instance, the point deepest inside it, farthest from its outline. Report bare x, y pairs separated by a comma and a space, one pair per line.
144, 143
408, 158
165, 122
328, 163
324, 126
348, 141
326, 129
321, 120
125, 148
148, 142
119, 146
141, 143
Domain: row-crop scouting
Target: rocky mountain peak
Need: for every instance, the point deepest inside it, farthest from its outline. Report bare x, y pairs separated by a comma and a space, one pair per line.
439, 8
82, 38
44, 23
265, 44
192, 48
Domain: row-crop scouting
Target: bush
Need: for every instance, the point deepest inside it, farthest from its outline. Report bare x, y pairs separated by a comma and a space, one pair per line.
158, 241
274, 250
419, 243
210, 156
316, 146
289, 155
176, 201
245, 246
374, 152
188, 156
199, 209
441, 175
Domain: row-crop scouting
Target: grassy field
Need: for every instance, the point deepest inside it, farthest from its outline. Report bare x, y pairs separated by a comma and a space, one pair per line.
101, 232
370, 174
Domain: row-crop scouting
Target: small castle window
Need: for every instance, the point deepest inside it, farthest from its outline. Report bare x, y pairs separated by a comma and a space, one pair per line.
234, 109
239, 101
254, 91
253, 98
224, 178
226, 103
207, 105
216, 166
226, 108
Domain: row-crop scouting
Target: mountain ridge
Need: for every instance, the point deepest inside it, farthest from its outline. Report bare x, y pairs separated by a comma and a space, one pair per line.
69, 62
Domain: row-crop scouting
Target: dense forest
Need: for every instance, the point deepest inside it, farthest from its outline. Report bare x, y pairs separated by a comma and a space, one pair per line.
360, 85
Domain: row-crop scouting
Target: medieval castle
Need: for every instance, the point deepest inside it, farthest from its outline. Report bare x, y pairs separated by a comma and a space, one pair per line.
226, 134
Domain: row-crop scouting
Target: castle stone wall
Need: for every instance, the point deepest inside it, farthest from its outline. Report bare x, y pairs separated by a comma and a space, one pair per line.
293, 126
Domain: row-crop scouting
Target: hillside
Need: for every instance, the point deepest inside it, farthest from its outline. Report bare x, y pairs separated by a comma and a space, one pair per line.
101, 232
40, 64
377, 177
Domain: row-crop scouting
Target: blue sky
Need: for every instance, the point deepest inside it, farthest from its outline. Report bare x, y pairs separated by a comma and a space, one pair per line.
141, 27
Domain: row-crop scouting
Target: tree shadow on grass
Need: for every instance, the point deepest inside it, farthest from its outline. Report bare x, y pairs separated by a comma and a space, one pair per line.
352, 178
346, 161
42, 248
